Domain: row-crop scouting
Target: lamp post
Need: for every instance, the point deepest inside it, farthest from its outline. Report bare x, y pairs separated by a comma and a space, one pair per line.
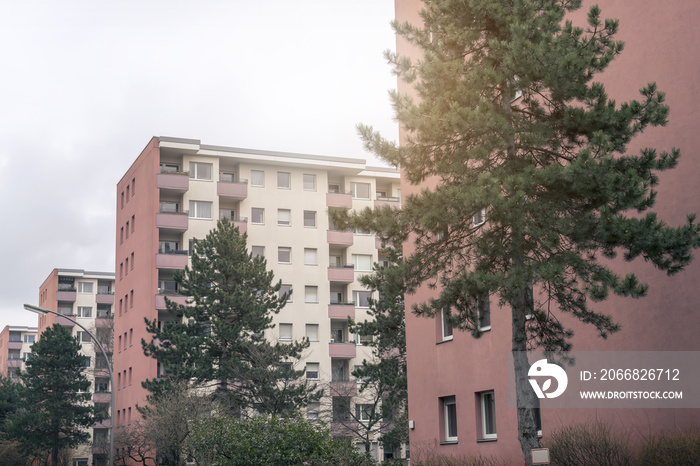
42, 312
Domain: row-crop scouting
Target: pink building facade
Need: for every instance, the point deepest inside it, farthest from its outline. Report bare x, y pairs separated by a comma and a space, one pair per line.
472, 376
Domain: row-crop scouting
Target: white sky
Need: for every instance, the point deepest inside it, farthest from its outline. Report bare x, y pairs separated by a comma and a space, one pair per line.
86, 84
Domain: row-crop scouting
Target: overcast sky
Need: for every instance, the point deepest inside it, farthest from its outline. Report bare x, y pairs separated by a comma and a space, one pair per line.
86, 84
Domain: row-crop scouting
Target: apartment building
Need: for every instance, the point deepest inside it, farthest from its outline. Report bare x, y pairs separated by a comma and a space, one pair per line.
458, 387
177, 189
88, 298
15, 348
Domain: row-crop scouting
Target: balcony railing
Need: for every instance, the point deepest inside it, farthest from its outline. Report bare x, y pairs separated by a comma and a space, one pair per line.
232, 189
173, 181
341, 310
342, 200
174, 259
341, 273
172, 220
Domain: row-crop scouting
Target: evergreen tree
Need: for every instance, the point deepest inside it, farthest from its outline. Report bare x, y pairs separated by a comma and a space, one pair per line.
509, 127
384, 376
54, 414
218, 337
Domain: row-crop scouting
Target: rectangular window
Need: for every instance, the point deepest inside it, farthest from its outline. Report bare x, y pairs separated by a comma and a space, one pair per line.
29, 338
257, 216
484, 312
284, 180
284, 217
133, 223
169, 168
87, 361
359, 190
227, 213
284, 255
449, 412
446, 325
312, 332
227, 177
127, 230
479, 218
169, 206
257, 178
286, 289
310, 218
200, 209
312, 370
362, 298
258, 251
310, 256
488, 415
200, 171
132, 261
65, 309
362, 262
309, 182
168, 247
285, 332
121, 236
84, 311
364, 412
311, 294
312, 410
85, 287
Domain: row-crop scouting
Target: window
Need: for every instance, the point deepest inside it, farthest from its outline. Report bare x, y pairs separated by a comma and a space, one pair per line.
104, 310
257, 178
362, 262
257, 215
133, 223
488, 415
484, 312
87, 361
449, 412
446, 326
362, 298
169, 206
85, 287
15, 336
311, 294
200, 209
359, 190
286, 289
310, 218
258, 251
479, 218
84, 311
309, 182
310, 256
127, 194
286, 332
169, 167
127, 230
284, 217
26, 356
312, 332
341, 408
284, 180
227, 177
80, 462
312, 410
312, 370
65, 309
29, 338
284, 255
200, 171
14, 354
227, 213
334, 188
364, 412
168, 247
83, 337
121, 236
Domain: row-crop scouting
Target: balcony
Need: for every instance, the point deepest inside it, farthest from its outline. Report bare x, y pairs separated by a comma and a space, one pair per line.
341, 311
106, 423
102, 397
172, 260
339, 200
342, 350
14, 345
173, 221
66, 295
343, 388
103, 322
173, 181
340, 238
176, 298
241, 223
65, 322
341, 273
104, 298
394, 202
236, 190
14, 363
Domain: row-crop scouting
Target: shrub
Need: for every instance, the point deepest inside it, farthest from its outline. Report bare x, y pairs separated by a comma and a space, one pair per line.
426, 455
588, 444
671, 449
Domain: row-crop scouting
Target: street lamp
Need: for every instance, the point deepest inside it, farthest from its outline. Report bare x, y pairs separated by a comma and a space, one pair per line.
42, 312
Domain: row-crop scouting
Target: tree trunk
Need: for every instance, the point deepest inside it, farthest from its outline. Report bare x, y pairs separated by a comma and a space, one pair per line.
54, 456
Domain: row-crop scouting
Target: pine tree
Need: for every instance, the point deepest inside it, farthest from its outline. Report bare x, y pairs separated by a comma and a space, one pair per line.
55, 412
507, 125
218, 338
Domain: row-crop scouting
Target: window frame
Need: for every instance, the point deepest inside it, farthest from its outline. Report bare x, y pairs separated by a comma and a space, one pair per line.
314, 290
479, 218
353, 190
257, 251
289, 180
307, 371
82, 285
286, 289
356, 263
283, 249
288, 333
488, 409
356, 297
79, 313
259, 210
282, 222
304, 181
450, 418
484, 311
194, 173
253, 174
307, 253
194, 210
445, 326
314, 219
308, 326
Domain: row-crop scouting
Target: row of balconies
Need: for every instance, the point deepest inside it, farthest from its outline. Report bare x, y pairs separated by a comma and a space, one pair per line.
71, 295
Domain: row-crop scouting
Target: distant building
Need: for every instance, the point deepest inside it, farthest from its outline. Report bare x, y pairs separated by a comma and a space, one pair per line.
15, 348
177, 189
88, 298
457, 385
